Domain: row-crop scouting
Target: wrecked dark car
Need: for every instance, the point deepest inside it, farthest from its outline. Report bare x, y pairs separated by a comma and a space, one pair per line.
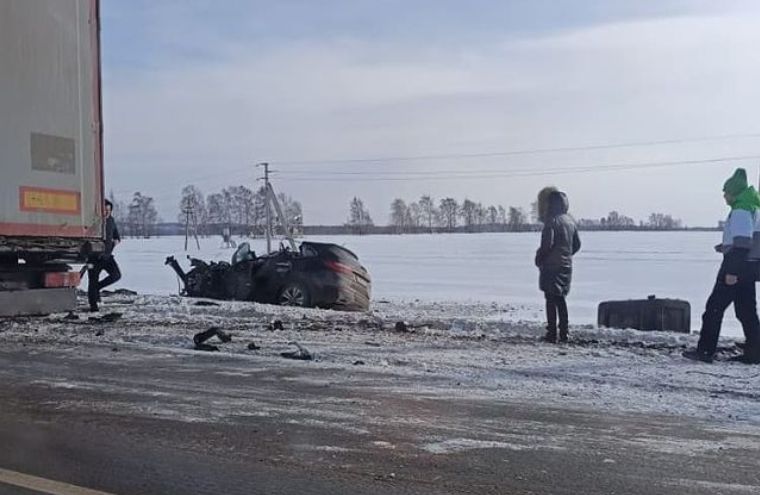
316, 275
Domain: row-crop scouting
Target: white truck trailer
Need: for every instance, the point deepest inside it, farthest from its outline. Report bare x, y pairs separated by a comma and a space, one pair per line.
51, 154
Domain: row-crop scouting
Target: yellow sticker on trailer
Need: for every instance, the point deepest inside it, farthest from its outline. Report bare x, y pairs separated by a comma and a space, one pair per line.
50, 200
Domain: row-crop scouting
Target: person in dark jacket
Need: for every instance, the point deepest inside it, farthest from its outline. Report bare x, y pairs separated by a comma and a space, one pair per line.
736, 276
554, 259
104, 261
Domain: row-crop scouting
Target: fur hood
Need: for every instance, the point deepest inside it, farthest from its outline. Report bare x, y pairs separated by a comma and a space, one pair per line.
551, 202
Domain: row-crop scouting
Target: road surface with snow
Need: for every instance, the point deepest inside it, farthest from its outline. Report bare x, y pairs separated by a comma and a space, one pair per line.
460, 399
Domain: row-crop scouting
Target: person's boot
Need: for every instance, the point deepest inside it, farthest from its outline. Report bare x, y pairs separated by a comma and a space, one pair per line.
93, 300
751, 354
550, 336
697, 355
563, 335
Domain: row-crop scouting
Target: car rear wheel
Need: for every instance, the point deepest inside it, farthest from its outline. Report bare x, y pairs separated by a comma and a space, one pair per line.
294, 294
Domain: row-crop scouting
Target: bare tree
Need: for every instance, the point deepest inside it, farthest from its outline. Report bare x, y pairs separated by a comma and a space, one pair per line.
399, 214
449, 211
493, 215
517, 218
429, 212
662, 221
358, 216
414, 215
142, 216
481, 214
469, 213
502, 217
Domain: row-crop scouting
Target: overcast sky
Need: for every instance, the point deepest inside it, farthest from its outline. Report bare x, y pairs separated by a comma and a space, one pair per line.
197, 92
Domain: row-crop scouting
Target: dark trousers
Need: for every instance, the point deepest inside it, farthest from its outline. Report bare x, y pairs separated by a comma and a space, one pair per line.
556, 306
108, 265
742, 295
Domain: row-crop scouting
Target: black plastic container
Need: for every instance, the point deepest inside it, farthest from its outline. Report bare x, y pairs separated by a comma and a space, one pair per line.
646, 314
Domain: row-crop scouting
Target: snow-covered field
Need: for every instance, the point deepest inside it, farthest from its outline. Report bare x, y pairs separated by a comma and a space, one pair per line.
485, 268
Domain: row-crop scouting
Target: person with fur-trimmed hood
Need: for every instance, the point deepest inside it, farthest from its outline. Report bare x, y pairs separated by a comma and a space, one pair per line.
554, 258
737, 274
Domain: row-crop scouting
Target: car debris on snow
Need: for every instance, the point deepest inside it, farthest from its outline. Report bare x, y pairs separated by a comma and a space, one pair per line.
300, 354
199, 339
106, 318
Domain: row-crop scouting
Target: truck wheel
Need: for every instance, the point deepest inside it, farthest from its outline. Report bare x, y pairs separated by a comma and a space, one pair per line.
294, 294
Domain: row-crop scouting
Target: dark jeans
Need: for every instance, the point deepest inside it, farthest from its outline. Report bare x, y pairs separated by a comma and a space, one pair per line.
556, 306
742, 295
114, 274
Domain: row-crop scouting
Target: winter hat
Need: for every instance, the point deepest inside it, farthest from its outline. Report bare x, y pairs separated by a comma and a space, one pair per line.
737, 183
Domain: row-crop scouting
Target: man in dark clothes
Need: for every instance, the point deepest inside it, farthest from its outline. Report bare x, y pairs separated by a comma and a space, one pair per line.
104, 261
554, 258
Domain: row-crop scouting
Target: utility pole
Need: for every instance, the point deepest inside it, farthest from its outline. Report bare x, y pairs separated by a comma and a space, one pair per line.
191, 221
268, 207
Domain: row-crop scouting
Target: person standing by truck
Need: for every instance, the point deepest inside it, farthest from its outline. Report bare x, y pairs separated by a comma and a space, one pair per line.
104, 261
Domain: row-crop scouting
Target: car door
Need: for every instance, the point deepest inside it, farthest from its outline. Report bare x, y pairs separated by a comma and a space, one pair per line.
269, 279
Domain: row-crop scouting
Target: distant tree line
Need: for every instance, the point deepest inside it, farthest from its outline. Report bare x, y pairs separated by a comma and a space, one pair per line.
449, 215
237, 208
616, 221
446, 215
243, 211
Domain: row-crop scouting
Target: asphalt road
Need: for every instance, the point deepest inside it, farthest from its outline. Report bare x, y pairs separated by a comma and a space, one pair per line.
145, 422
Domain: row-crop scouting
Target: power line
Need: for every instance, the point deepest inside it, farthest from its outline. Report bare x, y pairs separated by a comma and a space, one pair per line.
399, 176
168, 187
533, 151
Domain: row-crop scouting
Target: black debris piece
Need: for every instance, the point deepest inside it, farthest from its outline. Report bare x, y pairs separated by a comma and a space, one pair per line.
402, 326
111, 317
125, 292
301, 354
276, 325
106, 318
205, 303
118, 292
206, 347
99, 333
358, 362
373, 344
202, 337
253, 347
